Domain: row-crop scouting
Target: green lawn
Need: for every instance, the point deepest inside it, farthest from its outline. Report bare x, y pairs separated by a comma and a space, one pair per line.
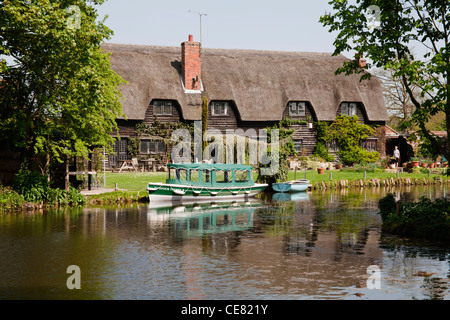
133, 181
313, 176
138, 181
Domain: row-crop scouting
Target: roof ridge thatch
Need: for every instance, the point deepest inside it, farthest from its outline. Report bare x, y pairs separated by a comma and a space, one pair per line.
259, 82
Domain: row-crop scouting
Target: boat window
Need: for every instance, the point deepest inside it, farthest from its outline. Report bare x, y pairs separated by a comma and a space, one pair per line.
172, 174
241, 176
206, 176
223, 176
181, 174
194, 176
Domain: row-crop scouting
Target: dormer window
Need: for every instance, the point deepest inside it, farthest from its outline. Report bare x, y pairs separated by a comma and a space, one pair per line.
220, 108
297, 109
162, 107
349, 108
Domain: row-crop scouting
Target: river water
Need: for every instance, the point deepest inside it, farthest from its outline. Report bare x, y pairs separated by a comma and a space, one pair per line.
319, 245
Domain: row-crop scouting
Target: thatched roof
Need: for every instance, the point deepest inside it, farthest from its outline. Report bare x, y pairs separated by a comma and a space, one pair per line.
260, 83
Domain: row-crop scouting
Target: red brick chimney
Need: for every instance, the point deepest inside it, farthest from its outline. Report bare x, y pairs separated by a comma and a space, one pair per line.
362, 61
191, 64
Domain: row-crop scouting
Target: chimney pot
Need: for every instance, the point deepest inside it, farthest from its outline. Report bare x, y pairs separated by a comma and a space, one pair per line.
362, 61
191, 38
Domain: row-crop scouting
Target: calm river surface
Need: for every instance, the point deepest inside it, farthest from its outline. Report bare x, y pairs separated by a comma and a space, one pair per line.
316, 246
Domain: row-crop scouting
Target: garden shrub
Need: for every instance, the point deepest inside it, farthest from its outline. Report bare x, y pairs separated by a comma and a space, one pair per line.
363, 167
387, 206
9, 199
321, 151
424, 219
34, 187
348, 133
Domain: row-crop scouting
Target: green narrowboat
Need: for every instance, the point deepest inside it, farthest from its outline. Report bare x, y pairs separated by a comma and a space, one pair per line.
205, 182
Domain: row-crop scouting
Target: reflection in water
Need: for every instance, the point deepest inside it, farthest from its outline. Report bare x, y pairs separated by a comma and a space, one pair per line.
302, 246
200, 219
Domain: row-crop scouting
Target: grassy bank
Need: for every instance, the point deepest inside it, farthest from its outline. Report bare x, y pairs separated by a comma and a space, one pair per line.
133, 181
344, 179
132, 185
136, 182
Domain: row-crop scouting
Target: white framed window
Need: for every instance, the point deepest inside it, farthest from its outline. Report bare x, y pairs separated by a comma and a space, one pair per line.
298, 145
149, 146
333, 146
297, 109
220, 108
369, 144
349, 108
162, 107
119, 151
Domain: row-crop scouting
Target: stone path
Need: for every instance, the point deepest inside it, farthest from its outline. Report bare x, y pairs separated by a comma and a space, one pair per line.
96, 191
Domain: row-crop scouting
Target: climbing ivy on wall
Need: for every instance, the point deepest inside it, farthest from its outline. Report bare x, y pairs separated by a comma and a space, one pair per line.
322, 134
286, 149
204, 120
348, 133
163, 130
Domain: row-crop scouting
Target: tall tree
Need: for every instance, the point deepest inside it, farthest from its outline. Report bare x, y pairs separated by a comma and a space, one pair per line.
58, 94
398, 101
383, 31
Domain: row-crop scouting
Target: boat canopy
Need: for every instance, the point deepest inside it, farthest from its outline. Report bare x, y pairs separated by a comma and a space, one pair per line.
210, 166
210, 174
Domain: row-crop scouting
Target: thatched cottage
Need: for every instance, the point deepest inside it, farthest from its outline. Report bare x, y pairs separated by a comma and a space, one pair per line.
245, 89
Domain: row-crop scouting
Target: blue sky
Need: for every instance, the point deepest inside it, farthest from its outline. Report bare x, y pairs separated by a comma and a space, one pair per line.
284, 25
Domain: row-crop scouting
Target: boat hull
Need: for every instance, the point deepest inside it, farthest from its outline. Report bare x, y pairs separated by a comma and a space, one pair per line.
159, 192
281, 187
299, 187
291, 186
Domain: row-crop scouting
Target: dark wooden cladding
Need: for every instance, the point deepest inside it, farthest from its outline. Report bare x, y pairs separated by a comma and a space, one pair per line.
231, 121
304, 134
126, 127
302, 131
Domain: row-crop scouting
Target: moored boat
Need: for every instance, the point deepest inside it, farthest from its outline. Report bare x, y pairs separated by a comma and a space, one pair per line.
204, 182
291, 186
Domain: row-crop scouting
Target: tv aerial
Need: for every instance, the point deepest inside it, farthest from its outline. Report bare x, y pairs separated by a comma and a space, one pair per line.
201, 16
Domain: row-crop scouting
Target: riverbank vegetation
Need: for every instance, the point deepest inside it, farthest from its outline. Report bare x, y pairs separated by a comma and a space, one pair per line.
425, 219
32, 190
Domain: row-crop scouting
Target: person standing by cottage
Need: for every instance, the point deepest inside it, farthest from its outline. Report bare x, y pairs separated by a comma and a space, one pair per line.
397, 155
